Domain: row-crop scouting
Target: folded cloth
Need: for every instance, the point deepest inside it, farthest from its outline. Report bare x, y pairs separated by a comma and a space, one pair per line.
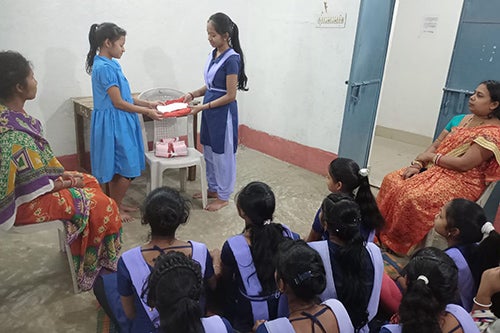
170, 147
176, 113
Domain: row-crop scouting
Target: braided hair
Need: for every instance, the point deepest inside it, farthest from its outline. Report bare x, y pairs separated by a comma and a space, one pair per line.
342, 216
174, 288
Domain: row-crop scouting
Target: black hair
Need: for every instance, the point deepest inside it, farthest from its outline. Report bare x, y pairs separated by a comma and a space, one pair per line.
469, 218
174, 288
432, 279
256, 200
14, 70
494, 90
164, 209
97, 36
347, 171
223, 24
342, 217
301, 268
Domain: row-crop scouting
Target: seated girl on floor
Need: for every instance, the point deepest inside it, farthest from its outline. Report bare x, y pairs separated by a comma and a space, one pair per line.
164, 210
353, 267
473, 244
431, 277
345, 176
248, 259
300, 275
174, 289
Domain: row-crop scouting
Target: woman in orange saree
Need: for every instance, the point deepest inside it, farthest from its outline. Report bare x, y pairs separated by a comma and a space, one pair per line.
459, 164
35, 188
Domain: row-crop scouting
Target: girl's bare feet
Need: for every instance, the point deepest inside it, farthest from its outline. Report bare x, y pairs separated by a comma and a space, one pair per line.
126, 217
216, 205
210, 195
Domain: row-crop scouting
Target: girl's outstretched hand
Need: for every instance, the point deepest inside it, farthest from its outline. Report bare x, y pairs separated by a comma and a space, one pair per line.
196, 108
187, 98
154, 114
154, 104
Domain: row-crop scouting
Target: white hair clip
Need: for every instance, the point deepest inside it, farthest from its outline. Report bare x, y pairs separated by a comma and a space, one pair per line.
423, 278
486, 229
364, 172
266, 222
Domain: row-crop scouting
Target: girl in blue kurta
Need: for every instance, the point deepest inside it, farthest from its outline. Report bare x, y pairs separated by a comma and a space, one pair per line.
117, 150
224, 74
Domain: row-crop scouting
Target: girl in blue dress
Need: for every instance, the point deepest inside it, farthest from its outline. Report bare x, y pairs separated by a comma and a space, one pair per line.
224, 75
117, 150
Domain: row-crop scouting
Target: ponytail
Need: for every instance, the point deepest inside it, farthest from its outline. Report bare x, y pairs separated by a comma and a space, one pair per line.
372, 218
419, 310
265, 240
488, 252
432, 284
97, 36
353, 180
93, 48
235, 44
256, 203
223, 24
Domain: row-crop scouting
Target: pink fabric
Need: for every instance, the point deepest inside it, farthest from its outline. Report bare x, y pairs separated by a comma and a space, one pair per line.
171, 147
497, 220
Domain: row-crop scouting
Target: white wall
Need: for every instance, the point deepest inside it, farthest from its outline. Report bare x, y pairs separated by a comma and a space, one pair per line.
296, 71
166, 46
417, 65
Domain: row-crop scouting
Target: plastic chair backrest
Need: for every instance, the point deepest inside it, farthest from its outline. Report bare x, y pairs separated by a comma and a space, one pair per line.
168, 127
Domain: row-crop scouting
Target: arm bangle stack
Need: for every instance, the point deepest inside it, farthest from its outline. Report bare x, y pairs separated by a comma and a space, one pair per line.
437, 158
480, 304
209, 105
191, 94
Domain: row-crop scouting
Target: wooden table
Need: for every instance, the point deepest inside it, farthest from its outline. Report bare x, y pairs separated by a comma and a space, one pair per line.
83, 110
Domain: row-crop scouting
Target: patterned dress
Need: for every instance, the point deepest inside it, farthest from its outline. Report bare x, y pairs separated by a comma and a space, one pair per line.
28, 169
410, 205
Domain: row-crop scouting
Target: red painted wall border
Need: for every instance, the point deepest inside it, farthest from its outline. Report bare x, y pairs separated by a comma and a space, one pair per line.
312, 159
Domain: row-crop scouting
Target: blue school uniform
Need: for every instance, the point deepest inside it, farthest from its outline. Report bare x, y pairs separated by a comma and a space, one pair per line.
213, 121
468, 273
374, 266
465, 321
283, 325
116, 145
246, 304
133, 271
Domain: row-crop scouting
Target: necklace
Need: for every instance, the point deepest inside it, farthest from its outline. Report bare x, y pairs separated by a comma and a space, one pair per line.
473, 123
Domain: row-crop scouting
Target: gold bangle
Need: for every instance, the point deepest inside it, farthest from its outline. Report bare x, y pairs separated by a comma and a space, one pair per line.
420, 164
